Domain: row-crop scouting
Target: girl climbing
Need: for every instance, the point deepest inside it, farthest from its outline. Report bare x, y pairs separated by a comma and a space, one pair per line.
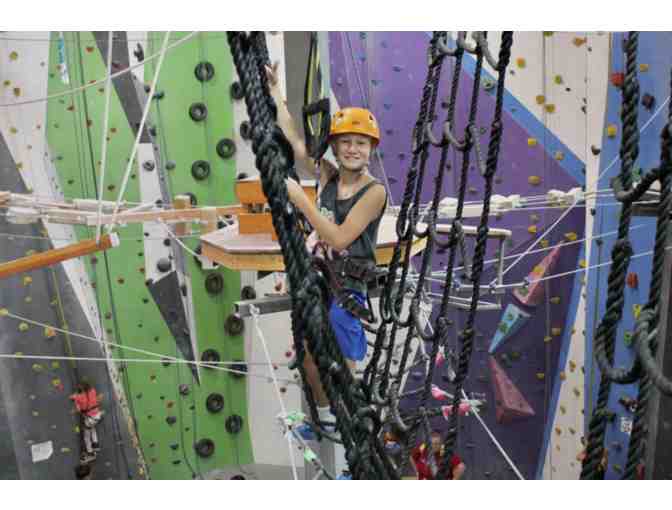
87, 403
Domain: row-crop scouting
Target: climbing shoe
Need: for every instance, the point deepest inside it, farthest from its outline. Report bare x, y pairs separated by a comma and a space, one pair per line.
96, 447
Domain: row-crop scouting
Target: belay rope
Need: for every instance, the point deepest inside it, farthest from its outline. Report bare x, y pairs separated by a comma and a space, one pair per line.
644, 368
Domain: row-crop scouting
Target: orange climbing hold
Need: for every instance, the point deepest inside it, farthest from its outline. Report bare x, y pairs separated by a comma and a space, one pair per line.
579, 41
520, 62
541, 99
617, 79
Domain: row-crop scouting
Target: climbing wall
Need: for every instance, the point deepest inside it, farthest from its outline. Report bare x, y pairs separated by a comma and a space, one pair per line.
653, 71
385, 72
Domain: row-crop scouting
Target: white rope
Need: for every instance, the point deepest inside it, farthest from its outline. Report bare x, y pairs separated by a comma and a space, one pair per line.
177, 240
141, 128
98, 82
106, 118
255, 318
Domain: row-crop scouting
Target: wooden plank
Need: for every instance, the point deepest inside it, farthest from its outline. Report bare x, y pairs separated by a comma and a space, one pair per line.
250, 192
181, 202
256, 223
52, 257
209, 217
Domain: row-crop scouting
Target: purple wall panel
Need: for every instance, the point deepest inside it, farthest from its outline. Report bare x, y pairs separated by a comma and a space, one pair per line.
386, 71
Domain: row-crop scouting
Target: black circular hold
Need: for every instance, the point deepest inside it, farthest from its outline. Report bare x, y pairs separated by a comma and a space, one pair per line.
192, 198
233, 424
234, 325
248, 292
159, 95
170, 165
236, 90
205, 447
200, 170
214, 283
204, 71
183, 389
198, 112
152, 130
166, 241
171, 420
238, 477
226, 148
163, 265
239, 369
245, 130
210, 356
241, 176
214, 402
148, 165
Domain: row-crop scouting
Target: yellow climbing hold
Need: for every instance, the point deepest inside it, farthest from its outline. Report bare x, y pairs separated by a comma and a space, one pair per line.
18, 353
556, 331
572, 366
55, 365
559, 155
37, 367
23, 327
547, 339
544, 243
563, 376
555, 300
636, 310
583, 264
49, 332
28, 299
612, 130
13, 56
538, 270
520, 62
541, 376
27, 280
531, 142
550, 108
76, 429
35, 413
56, 382
563, 409
4, 312
579, 41
534, 180
6, 83
532, 229
17, 92
571, 236
577, 392
30, 252
541, 99
13, 130
571, 430
548, 34
643, 68
557, 79
65, 449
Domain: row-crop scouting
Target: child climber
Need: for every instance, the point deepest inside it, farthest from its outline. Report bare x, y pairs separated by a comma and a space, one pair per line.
350, 207
87, 402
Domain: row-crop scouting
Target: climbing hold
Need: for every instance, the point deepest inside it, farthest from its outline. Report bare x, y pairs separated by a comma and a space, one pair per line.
509, 401
198, 112
579, 41
511, 321
183, 389
550, 108
204, 71
159, 95
171, 420
531, 142
226, 148
520, 62
170, 165
534, 180
563, 376
577, 392
245, 130
13, 56
174, 446
556, 331
612, 130
214, 403
4, 312
192, 198
555, 300
548, 34
595, 150
627, 338
234, 325
557, 79
148, 165
648, 101
571, 236
200, 170
248, 292
210, 358
214, 283
49, 332
547, 339
27, 280
632, 280
617, 79
234, 424
541, 376
572, 366
236, 91
535, 291
636, 310
23, 327
205, 448
239, 369
558, 430
532, 229
583, 263
643, 68
163, 265
541, 99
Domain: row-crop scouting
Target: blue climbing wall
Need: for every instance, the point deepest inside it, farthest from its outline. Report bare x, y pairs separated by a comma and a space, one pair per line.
655, 61
385, 71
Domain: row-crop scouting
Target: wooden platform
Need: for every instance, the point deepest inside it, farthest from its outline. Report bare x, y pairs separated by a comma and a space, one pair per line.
258, 252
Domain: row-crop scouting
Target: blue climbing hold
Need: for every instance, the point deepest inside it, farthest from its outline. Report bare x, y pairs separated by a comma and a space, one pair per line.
306, 432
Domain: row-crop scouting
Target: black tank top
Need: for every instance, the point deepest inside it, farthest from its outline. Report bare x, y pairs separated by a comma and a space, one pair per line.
364, 247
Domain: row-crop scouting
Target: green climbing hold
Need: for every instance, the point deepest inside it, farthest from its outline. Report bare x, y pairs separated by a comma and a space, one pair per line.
309, 455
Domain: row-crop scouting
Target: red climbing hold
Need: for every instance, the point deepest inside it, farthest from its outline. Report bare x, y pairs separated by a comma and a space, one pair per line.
632, 280
509, 401
617, 79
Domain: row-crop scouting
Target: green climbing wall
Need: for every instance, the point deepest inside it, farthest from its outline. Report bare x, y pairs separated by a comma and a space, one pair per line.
130, 316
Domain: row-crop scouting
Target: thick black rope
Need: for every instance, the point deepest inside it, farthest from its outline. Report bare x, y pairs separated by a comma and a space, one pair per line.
356, 421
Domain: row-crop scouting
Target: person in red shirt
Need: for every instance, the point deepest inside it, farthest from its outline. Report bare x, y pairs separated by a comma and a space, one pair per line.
427, 467
87, 403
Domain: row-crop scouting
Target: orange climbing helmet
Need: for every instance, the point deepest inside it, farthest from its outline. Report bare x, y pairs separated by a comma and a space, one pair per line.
355, 120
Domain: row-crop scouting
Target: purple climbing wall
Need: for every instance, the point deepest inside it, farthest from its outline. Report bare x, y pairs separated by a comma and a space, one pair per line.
385, 71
